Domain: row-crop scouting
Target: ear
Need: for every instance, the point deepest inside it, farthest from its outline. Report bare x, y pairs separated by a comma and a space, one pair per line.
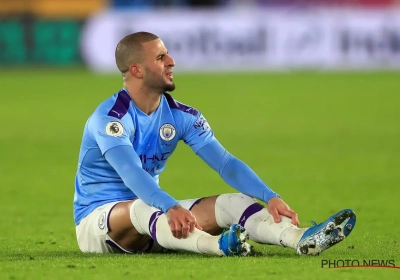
136, 71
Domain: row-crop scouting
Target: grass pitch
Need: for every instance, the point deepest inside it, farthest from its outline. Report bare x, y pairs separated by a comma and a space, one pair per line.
323, 141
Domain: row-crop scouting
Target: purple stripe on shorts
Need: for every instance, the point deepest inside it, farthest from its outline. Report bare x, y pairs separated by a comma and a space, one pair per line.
252, 209
114, 245
153, 223
173, 104
108, 218
196, 202
121, 105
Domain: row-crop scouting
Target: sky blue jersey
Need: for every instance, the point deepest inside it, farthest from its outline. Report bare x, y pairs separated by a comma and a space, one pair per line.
118, 122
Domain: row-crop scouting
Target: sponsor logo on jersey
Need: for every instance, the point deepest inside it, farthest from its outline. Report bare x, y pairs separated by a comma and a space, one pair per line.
153, 158
202, 125
115, 129
167, 132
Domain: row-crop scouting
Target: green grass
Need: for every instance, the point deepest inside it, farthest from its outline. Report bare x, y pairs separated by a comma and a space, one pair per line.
323, 141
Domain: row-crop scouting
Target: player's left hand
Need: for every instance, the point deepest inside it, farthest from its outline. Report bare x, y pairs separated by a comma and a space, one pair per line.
276, 207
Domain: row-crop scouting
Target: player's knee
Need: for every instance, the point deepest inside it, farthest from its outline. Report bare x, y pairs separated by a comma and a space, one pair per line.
235, 208
238, 198
141, 216
236, 202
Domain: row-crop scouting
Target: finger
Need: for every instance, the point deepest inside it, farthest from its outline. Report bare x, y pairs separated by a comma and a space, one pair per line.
197, 225
295, 219
185, 230
291, 214
192, 225
178, 230
173, 229
275, 214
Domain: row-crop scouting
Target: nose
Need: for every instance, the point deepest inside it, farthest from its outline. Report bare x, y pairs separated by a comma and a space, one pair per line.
170, 61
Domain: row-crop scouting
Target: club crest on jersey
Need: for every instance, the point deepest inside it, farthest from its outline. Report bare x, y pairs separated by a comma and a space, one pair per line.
167, 132
114, 128
102, 220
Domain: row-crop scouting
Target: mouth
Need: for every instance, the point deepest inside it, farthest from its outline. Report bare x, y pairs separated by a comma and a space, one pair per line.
169, 76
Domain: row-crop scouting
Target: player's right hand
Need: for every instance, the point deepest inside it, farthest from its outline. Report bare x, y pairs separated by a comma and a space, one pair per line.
181, 221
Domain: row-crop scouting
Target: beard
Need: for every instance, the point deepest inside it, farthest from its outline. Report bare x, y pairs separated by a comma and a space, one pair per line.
157, 83
169, 87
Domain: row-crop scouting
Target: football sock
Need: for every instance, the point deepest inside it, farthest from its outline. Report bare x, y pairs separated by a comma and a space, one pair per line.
259, 223
148, 220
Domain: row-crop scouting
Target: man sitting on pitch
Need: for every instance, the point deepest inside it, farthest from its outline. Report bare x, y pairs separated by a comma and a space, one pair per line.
118, 204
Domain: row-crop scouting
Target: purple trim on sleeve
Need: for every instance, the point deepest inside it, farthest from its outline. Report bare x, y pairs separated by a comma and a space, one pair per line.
153, 223
121, 105
252, 209
173, 104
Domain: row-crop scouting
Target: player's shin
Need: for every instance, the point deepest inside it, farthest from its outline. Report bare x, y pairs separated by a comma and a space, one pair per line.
197, 241
154, 223
259, 223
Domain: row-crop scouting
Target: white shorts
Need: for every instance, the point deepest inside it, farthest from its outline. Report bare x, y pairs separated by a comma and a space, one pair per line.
92, 232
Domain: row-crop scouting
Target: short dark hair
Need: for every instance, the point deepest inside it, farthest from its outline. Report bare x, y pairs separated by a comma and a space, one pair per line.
129, 49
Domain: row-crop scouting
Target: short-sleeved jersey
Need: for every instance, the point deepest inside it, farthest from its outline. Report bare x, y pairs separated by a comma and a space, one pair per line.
117, 121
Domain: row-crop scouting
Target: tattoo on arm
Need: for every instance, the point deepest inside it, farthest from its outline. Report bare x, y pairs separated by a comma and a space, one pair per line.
175, 207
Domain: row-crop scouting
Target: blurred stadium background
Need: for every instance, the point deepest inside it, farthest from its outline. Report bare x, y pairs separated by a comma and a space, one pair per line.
316, 84
255, 34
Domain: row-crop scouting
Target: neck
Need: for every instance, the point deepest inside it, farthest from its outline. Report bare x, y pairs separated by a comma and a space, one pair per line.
146, 100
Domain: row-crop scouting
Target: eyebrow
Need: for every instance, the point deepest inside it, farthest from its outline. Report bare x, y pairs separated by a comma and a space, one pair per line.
163, 53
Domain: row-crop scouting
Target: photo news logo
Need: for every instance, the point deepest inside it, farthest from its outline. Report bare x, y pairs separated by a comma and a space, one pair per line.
374, 263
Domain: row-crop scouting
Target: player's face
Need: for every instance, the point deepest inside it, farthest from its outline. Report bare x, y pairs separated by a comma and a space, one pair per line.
158, 66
